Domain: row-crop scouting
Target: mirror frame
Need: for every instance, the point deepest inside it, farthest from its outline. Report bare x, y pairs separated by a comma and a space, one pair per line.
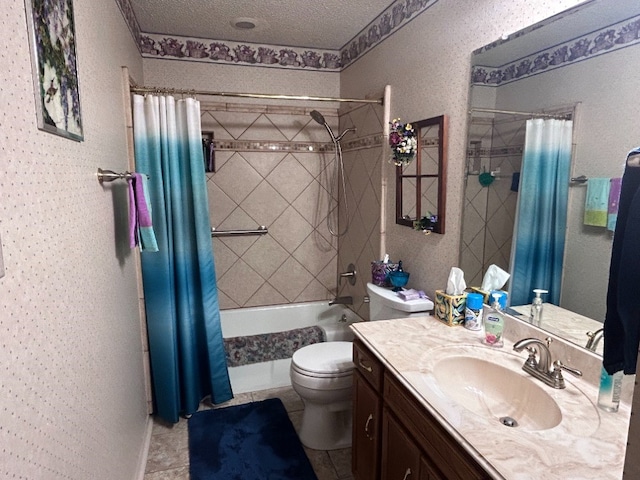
439, 227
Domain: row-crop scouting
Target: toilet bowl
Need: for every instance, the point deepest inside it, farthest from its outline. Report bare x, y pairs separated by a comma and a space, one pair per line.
321, 374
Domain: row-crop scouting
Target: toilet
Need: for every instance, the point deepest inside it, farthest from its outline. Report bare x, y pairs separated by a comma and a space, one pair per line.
322, 373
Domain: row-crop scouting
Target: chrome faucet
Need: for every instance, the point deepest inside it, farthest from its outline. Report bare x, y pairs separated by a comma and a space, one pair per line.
594, 338
341, 301
542, 367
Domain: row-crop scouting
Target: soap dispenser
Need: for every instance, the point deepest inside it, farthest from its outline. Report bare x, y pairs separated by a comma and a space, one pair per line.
535, 316
493, 322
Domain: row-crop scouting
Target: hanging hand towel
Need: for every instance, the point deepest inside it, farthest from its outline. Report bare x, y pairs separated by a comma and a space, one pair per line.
140, 225
614, 199
596, 204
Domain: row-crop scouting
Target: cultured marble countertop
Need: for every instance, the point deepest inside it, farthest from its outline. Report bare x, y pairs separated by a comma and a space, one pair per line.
567, 324
588, 443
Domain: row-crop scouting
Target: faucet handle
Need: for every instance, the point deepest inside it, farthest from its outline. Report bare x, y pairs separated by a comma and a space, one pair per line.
532, 360
558, 365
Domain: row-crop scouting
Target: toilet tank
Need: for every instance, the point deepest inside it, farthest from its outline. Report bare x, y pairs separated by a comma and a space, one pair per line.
384, 304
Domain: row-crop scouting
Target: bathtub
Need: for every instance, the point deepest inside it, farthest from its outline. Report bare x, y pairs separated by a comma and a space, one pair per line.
241, 322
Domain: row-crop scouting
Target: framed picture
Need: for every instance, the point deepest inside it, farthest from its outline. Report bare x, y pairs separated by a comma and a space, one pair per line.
54, 65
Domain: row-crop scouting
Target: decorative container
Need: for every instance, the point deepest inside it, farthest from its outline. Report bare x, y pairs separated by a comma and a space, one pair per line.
380, 273
450, 309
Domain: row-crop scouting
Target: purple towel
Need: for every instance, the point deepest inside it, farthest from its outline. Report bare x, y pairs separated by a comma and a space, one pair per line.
614, 199
140, 224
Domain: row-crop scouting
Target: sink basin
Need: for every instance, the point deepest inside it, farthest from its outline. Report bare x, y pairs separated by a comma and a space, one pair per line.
490, 390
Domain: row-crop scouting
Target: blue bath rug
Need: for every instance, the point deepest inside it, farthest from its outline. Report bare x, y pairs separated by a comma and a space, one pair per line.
251, 441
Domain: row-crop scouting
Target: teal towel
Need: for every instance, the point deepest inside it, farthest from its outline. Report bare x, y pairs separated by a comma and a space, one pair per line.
597, 202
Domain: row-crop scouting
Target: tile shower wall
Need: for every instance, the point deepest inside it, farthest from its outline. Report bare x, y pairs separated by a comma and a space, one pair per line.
489, 211
73, 403
273, 167
363, 156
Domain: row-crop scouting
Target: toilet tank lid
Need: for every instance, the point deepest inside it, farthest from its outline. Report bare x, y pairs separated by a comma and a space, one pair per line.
392, 300
325, 357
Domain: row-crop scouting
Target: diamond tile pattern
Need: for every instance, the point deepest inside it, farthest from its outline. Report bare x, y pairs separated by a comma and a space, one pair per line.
285, 190
489, 212
363, 168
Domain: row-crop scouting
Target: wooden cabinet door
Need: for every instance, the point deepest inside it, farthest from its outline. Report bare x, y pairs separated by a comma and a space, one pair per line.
429, 472
400, 455
365, 450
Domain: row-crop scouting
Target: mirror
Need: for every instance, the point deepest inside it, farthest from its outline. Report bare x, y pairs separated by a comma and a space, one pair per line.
421, 185
580, 62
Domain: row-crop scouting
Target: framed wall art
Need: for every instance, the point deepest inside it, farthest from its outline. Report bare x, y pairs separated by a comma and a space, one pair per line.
54, 65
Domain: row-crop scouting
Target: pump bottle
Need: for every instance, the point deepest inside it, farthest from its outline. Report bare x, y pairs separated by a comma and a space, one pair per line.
493, 322
535, 316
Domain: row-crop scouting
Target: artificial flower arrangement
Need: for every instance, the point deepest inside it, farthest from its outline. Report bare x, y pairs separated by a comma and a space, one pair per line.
426, 224
403, 142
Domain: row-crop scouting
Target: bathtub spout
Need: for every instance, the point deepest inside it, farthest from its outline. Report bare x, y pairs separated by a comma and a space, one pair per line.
341, 301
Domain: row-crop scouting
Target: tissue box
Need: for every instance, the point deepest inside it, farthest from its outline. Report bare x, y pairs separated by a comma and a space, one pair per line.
450, 308
380, 273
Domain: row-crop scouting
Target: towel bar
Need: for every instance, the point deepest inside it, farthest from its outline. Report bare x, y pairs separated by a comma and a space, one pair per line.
110, 175
261, 230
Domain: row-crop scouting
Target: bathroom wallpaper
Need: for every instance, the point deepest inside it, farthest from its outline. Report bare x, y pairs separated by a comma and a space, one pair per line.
423, 86
73, 402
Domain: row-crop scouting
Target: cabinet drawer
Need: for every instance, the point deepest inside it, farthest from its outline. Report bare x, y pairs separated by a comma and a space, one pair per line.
367, 364
443, 451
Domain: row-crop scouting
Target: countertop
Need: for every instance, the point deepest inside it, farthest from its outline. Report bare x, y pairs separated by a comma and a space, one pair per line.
588, 443
565, 323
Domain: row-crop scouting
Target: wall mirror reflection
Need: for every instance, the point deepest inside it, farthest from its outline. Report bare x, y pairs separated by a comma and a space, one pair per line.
577, 68
421, 184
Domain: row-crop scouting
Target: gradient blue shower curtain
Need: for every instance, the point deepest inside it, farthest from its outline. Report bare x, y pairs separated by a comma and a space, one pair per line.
183, 318
542, 211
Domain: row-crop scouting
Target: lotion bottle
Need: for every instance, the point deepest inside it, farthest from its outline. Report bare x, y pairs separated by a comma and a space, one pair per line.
610, 388
535, 316
493, 322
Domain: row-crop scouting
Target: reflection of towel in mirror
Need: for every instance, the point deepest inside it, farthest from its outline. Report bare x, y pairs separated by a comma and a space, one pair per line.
622, 320
614, 199
597, 202
140, 225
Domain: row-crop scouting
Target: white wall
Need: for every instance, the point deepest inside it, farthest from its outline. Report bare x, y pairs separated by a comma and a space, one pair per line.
71, 373
427, 64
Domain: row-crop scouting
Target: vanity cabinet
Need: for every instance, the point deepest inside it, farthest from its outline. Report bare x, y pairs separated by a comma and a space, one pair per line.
367, 410
394, 437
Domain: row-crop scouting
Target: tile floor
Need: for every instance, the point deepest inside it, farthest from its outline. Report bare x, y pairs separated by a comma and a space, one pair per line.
169, 450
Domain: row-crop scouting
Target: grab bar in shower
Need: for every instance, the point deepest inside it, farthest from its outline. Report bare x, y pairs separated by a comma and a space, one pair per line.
261, 230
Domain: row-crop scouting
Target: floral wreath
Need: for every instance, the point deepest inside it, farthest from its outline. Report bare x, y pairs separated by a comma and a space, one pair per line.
403, 142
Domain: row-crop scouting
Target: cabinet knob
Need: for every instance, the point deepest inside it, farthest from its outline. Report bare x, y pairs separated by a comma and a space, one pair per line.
407, 474
366, 427
365, 367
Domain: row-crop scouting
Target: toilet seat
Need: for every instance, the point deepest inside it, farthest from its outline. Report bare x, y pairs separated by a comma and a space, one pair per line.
326, 359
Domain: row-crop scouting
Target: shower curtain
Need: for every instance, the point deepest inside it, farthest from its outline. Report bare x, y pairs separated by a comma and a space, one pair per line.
181, 299
539, 232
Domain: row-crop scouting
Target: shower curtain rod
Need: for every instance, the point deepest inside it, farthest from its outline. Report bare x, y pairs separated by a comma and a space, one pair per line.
563, 116
177, 91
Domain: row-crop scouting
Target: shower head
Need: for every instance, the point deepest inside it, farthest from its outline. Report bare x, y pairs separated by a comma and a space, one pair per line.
317, 116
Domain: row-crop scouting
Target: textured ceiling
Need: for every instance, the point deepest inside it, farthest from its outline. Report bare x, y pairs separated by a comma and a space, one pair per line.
321, 24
